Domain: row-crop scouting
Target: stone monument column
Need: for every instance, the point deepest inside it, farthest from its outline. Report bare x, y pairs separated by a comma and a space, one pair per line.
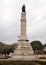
23, 24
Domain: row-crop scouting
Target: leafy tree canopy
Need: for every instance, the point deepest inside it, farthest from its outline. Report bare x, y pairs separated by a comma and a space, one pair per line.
36, 45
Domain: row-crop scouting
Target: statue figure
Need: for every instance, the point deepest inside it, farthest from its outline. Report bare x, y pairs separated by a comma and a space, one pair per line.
23, 8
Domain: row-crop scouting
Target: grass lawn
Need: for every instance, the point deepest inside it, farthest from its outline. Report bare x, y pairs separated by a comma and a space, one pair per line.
22, 62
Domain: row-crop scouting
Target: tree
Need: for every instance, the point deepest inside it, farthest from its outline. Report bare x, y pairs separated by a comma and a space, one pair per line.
6, 49
37, 46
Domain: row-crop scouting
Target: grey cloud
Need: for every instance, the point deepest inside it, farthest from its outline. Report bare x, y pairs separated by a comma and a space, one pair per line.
10, 14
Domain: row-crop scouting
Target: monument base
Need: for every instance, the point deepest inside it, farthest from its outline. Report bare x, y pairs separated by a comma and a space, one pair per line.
29, 57
24, 51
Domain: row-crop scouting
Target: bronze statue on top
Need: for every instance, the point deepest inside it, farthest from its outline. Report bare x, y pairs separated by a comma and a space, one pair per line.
23, 8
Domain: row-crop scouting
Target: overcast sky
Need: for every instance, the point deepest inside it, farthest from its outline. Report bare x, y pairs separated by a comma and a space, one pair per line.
10, 15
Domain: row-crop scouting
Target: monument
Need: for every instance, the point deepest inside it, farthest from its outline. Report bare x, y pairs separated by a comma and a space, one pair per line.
24, 49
